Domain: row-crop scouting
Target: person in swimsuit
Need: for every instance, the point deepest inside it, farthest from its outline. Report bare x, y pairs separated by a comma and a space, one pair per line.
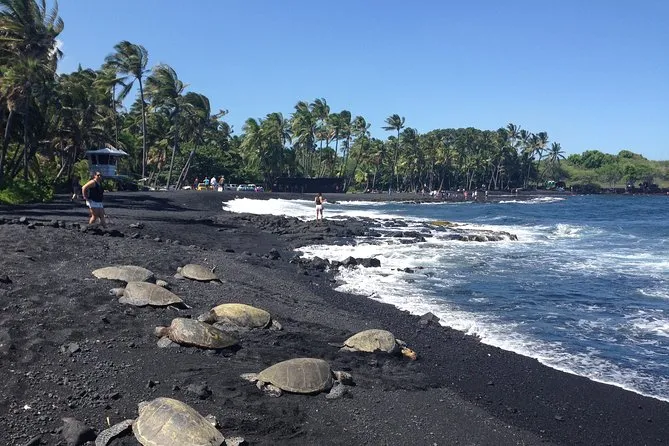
319, 206
93, 193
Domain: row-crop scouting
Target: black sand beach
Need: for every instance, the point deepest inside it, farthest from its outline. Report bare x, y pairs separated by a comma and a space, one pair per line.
69, 349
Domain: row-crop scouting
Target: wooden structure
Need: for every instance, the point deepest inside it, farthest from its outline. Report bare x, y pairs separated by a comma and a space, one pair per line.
105, 161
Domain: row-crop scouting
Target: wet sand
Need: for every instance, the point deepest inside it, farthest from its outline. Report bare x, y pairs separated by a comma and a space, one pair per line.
69, 349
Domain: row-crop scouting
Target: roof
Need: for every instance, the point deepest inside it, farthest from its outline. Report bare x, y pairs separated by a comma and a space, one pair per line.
107, 151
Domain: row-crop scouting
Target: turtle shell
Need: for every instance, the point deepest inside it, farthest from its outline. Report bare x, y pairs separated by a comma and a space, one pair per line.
299, 375
166, 421
191, 332
241, 315
372, 340
198, 272
125, 273
145, 293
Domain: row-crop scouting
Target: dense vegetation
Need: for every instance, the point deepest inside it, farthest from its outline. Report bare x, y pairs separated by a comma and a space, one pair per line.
50, 120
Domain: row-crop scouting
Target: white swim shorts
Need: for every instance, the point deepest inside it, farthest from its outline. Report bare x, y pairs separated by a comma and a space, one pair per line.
94, 204
319, 207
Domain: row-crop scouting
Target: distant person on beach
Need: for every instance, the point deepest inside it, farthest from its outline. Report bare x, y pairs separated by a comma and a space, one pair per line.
76, 188
93, 194
196, 182
319, 206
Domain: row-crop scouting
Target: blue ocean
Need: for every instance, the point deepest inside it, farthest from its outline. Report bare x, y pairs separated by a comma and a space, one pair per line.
584, 288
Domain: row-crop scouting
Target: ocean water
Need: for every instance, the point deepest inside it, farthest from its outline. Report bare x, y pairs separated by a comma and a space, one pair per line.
584, 289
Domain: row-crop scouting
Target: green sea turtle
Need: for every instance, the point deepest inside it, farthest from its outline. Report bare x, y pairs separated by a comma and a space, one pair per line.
377, 340
235, 316
166, 421
191, 332
144, 293
197, 272
299, 375
125, 273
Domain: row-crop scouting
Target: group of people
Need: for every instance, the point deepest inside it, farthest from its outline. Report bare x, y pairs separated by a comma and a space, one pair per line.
212, 182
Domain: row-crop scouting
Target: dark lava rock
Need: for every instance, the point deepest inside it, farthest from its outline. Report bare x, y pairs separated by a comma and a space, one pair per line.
202, 391
76, 433
369, 262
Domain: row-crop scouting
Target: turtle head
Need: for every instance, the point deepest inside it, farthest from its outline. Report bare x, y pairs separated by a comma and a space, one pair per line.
161, 332
208, 318
343, 377
408, 353
118, 292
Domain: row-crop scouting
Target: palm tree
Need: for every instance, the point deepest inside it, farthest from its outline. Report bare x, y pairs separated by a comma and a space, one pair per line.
165, 90
107, 80
555, 155
360, 131
304, 130
197, 120
394, 122
29, 55
130, 60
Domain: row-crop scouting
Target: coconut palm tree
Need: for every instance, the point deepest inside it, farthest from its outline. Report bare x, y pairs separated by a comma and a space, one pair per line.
555, 155
108, 80
304, 130
29, 55
130, 61
394, 123
165, 91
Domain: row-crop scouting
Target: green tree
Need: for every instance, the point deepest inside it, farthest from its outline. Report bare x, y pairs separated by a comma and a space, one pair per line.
165, 90
130, 61
28, 57
395, 123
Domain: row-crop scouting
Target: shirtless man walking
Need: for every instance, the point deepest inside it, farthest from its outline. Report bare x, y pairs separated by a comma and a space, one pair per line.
319, 206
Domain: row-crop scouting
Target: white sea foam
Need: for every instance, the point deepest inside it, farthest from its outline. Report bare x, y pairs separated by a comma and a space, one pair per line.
304, 209
538, 200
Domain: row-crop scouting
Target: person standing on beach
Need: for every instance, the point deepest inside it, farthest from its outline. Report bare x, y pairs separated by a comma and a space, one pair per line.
93, 194
76, 188
319, 206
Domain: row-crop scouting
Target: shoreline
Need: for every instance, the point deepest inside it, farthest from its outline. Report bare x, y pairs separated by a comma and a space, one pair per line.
460, 391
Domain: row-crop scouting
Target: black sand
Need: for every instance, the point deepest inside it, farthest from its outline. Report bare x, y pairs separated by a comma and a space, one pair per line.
69, 349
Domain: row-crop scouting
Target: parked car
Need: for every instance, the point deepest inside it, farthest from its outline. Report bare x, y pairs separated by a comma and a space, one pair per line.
246, 188
229, 186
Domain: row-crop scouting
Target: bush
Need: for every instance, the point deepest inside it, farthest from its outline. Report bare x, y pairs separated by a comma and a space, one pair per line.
20, 192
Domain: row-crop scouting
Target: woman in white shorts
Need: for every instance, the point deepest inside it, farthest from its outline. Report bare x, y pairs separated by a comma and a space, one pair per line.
93, 193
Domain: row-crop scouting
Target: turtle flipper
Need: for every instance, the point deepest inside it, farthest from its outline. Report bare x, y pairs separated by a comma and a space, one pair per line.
271, 390
107, 435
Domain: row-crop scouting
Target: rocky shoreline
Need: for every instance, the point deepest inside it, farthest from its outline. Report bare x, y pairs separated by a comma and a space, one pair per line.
69, 350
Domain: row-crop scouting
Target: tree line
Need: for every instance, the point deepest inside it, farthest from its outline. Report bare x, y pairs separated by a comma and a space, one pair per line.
50, 120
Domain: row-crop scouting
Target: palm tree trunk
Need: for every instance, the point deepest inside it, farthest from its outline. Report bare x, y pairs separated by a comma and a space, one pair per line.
141, 95
115, 115
26, 145
174, 151
5, 144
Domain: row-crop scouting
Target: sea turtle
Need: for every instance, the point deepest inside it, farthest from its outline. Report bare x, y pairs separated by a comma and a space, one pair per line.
237, 316
145, 293
299, 375
125, 273
377, 340
191, 332
166, 421
197, 272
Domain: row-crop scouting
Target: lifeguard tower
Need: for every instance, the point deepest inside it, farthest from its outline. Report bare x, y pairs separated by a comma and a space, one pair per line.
105, 161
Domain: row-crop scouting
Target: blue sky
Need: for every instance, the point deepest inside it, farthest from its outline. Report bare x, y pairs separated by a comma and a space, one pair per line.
594, 74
